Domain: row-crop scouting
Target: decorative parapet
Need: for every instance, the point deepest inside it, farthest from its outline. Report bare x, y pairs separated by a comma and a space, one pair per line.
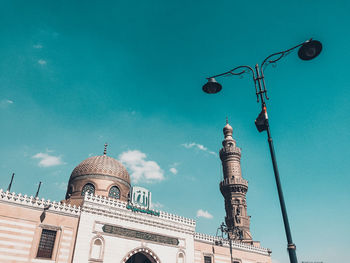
104, 201
210, 239
37, 203
177, 218
116, 208
235, 245
236, 180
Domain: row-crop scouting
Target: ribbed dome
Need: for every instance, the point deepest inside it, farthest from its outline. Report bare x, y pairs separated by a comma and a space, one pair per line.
101, 165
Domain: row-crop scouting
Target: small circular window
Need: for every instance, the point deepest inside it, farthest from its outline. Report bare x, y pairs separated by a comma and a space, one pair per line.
114, 192
88, 188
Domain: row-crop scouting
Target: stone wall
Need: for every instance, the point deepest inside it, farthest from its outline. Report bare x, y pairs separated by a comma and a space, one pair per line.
22, 220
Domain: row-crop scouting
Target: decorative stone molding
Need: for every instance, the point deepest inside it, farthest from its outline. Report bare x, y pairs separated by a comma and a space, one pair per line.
143, 250
40, 204
235, 245
117, 209
50, 227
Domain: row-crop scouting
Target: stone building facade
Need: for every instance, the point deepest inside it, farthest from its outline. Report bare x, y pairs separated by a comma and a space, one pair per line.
123, 233
103, 219
28, 224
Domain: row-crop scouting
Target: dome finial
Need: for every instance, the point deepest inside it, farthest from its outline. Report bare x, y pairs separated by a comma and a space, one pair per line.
105, 150
228, 130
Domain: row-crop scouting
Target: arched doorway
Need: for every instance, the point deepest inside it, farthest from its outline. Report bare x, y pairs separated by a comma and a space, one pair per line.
140, 258
141, 255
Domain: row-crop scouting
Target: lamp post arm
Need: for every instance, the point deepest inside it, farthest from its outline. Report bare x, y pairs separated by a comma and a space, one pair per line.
280, 54
239, 71
273, 58
233, 72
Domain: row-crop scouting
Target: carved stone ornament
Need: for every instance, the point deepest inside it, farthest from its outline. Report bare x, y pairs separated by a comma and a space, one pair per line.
125, 232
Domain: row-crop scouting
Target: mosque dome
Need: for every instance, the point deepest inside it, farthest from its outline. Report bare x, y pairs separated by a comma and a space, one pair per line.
98, 175
101, 165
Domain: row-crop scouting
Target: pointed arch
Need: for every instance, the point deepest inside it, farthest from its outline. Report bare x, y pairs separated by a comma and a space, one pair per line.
144, 250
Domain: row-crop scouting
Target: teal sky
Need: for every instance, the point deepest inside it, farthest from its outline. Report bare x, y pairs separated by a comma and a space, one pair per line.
77, 74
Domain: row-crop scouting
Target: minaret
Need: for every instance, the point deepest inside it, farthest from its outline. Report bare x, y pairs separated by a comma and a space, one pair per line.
234, 188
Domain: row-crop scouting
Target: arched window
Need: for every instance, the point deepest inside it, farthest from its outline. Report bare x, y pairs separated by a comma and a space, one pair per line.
114, 192
88, 188
96, 249
181, 258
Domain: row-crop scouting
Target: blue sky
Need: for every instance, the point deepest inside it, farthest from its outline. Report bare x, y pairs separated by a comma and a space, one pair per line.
76, 75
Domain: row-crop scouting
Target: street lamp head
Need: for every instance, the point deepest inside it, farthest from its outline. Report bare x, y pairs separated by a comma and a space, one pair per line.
310, 50
211, 86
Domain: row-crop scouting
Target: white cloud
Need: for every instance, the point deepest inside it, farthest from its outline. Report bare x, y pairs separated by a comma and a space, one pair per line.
140, 168
205, 214
47, 160
6, 102
173, 170
38, 46
156, 205
198, 146
42, 62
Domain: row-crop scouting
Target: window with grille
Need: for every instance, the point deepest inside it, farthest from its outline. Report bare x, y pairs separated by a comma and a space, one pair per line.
46, 244
88, 188
114, 192
207, 259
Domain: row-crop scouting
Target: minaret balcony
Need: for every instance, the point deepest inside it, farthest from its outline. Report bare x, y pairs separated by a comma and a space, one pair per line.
230, 150
234, 181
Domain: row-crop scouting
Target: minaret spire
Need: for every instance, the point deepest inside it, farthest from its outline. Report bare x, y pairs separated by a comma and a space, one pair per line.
234, 188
